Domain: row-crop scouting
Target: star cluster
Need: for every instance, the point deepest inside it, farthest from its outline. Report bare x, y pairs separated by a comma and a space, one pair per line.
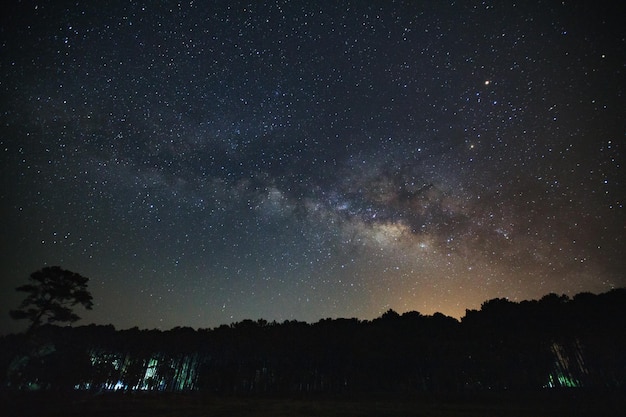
209, 162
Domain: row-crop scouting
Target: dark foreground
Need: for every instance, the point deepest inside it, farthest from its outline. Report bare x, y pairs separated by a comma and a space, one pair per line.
548, 403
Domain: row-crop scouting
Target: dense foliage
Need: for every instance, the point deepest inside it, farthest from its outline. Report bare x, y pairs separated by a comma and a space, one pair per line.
552, 342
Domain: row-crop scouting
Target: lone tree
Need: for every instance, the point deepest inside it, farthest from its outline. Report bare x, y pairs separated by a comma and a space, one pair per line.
51, 295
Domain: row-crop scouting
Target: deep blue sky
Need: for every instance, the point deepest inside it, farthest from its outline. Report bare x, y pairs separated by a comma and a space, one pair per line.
207, 162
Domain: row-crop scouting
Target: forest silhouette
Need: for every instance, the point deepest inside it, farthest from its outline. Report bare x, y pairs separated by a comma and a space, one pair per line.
555, 342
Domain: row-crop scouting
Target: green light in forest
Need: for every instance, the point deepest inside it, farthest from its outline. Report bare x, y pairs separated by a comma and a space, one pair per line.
562, 381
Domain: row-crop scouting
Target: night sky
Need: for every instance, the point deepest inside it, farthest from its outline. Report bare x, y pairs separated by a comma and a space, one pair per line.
207, 162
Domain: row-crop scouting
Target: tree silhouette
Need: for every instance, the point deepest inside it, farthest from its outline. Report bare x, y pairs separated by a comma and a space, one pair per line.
51, 295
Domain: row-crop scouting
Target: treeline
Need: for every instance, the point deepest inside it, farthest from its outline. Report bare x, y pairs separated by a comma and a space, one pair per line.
550, 343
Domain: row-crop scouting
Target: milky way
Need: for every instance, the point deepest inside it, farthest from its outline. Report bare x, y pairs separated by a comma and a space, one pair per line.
207, 162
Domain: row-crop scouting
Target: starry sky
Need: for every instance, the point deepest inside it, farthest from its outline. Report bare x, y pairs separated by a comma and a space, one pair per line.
208, 162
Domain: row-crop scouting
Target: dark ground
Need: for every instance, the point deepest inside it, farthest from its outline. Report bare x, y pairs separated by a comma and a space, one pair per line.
547, 403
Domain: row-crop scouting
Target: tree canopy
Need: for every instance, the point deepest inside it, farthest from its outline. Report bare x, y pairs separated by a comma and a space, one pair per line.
51, 295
